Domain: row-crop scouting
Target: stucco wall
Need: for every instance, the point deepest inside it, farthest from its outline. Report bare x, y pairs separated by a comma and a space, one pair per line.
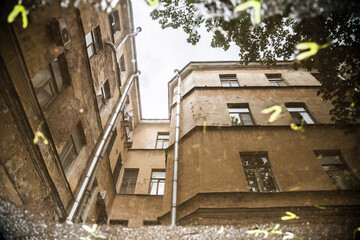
210, 161
136, 209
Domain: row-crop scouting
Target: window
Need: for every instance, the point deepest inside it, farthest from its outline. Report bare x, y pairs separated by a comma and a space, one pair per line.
117, 169
49, 81
337, 170
119, 222
129, 181
122, 63
258, 172
299, 113
318, 76
175, 93
111, 142
229, 80
103, 95
72, 147
162, 141
93, 42
157, 184
114, 22
275, 80
240, 114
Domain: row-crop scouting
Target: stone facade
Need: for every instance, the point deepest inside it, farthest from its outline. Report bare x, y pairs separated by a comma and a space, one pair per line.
126, 186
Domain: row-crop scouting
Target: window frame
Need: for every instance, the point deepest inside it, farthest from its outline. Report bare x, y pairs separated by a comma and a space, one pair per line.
95, 43
229, 79
105, 95
158, 181
276, 79
122, 64
299, 118
66, 150
114, 19
244, 109
52, 80
256, 168
162, 140
343, 166
117, 169
126, 190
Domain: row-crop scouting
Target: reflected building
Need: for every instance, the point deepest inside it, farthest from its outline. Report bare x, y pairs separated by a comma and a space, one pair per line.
74, 144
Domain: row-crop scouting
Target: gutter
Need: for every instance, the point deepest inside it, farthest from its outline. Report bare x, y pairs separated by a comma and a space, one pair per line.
176, 153
101, 146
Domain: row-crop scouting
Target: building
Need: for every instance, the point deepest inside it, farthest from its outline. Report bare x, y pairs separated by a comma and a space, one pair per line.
69, 108
74, 145
236, 166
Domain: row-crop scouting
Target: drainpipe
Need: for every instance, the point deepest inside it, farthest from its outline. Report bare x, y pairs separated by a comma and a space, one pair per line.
102, 146
176, 152
116, 49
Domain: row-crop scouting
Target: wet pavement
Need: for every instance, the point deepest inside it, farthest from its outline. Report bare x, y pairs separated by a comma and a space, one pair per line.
17, 223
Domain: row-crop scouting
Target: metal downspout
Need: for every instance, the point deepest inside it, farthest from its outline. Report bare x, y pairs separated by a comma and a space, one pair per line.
116, 49
176, 152
101, 147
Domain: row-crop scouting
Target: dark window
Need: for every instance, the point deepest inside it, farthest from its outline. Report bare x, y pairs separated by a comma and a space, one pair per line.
240, 114
129, 181
150, 223
93, 41
157, 185
275, 79
229, 80
258, 172
49, 81
299, 113
337, 170
122, 63
103, 94
72, 147
119, 222
111, 142
318, 76
114, 21
117, 169
162, 141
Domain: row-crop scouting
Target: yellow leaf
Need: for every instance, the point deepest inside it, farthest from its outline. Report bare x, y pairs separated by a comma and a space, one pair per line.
276, 112
152, 2
251, 4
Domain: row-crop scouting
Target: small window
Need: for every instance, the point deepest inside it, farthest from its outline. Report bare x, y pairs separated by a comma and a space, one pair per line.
117, 169
103, 94
119, 222
275, 80
337, 170
72, 147
175, 93
258, 172
240, 114
122, 63
318, 76
150, 223
49, 81
299, 113
162, 141
229, 80
114, 22
93, 42
129, 181
111, 142
157, 184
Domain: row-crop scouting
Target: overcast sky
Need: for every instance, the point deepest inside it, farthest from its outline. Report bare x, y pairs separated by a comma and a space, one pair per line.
160, 52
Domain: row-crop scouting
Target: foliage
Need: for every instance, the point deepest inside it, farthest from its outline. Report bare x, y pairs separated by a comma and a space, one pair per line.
284, 25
